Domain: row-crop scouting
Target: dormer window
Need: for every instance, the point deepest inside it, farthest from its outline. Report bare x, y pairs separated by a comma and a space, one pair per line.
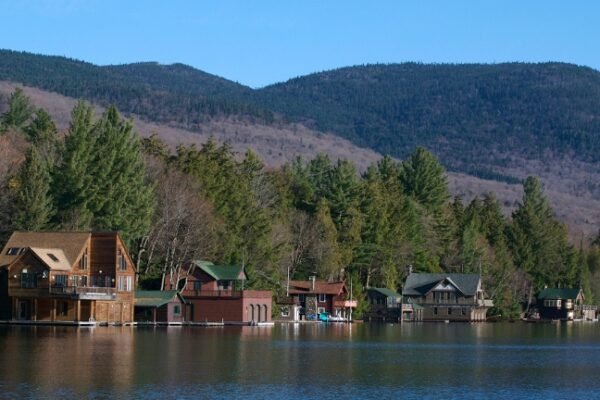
14, 251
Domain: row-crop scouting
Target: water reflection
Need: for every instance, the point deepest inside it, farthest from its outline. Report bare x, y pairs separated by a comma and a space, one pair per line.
299, 361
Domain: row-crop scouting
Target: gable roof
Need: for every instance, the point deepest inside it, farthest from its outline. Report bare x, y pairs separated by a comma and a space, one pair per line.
156, 298
321, 287
559, 293
222, 272
55, 259
385, 291
418, 284
71, 243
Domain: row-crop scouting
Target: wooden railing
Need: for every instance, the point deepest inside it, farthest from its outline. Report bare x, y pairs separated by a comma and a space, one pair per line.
235, 294
84, 291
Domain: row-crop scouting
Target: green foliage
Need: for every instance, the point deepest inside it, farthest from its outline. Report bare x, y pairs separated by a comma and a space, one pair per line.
540, 242
424, 179
19, 111
101, 179
33, 201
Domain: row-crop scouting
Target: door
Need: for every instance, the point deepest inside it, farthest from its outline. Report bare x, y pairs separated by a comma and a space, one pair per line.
24, 311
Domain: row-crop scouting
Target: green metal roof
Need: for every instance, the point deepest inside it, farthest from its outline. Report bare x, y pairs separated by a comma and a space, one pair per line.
155, 298
386, 292
559, 293
418, 284
222, 272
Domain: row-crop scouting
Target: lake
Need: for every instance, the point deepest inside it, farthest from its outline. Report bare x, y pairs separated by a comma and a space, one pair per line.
368, 361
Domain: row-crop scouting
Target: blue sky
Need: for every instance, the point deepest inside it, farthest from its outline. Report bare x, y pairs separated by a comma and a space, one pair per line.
261, 42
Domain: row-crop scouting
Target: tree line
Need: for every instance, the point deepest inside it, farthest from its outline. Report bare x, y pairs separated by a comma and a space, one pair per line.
309, 217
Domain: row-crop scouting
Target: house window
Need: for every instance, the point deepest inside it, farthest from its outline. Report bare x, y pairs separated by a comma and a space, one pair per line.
60, 280
197, 285
122, 261
13, 251
223, 285
302, 298
463, 311
285, 311
75, 280
83, 261
177, 310
449, 311
434, 310
84, 281
322, 298
124, 283
28, 280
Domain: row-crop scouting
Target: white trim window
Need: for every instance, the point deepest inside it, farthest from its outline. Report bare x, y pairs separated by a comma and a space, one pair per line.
124, 283
322, 297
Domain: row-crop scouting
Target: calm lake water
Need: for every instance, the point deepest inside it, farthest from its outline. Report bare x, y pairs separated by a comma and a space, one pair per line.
470, 361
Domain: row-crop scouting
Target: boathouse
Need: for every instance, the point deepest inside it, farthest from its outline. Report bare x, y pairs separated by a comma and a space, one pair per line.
156, 306
384, 305
564, 304
66, 277
308, 299
215, 293
445, 297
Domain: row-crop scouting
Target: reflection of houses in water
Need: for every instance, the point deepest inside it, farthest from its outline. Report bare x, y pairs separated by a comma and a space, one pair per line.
215, 293
308, 299
66, 277
441, 297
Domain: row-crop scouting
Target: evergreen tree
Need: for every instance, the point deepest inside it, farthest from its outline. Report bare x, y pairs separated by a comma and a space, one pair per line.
18, 113
74, 176
33, 201
121, 199
540, 242
424, 179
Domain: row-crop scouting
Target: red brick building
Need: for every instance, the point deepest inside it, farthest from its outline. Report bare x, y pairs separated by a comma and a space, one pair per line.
215, 293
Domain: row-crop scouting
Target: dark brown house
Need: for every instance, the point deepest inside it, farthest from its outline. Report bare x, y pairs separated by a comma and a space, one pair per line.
444, 297
564, 304
384, 305
156, 306
308, 299
215, 293
66, 276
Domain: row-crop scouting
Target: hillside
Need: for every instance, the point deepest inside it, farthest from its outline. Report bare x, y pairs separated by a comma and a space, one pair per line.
173, 94
278, 143
501, 122
474, 117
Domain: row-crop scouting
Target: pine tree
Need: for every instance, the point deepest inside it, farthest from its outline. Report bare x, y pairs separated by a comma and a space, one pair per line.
423, 178
18, 113
33, 201
74, 176
121, 199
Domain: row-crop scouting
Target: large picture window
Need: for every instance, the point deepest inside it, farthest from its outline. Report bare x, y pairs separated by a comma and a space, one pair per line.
28, 280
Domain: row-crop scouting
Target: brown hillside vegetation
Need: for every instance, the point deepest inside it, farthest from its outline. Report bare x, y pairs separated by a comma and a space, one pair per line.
570, 186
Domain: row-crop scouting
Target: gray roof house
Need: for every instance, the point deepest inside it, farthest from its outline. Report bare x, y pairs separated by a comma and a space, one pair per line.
445, 297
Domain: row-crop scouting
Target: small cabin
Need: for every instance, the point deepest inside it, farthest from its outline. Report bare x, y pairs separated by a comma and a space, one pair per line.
155, 306
564, 304
384, 305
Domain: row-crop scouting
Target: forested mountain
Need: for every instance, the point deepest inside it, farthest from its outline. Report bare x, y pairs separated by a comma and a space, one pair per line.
473, 116
174, 94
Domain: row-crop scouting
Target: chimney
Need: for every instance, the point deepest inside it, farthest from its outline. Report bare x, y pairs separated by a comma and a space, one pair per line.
312, 280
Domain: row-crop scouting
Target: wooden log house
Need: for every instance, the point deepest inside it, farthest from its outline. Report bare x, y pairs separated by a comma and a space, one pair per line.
66, 277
